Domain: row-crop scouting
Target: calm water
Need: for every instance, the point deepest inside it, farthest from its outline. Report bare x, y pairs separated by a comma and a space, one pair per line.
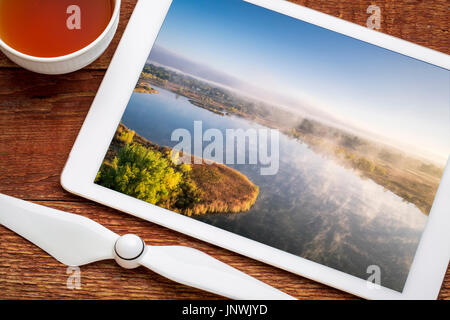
312, 208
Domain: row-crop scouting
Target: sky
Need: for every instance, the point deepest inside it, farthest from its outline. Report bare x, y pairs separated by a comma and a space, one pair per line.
393, 96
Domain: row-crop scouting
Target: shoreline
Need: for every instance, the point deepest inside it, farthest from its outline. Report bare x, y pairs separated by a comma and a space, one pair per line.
208, 187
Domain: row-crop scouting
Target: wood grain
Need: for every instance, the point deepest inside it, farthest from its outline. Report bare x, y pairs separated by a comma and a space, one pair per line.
40, 117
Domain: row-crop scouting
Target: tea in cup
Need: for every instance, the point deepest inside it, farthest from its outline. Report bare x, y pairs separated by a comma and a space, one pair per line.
54, 37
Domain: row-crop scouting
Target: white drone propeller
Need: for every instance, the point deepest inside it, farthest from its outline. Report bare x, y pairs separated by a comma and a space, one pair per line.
75, 240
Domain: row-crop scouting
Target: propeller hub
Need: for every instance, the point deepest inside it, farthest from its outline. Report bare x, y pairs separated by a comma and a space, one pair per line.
127, 251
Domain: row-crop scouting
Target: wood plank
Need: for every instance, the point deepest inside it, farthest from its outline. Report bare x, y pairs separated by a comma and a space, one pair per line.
40, 117
423, 22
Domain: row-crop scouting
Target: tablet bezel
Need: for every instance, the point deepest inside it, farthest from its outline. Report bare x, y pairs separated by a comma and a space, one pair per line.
431, 260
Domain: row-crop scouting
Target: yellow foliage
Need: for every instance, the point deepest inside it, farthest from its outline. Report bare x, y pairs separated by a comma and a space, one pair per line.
127, 136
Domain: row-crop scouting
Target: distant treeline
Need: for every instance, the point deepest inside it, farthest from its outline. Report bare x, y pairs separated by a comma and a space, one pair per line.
411, 179
369, 148
229, 100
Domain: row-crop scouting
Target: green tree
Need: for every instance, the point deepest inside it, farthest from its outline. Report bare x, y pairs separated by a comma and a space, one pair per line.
141, 173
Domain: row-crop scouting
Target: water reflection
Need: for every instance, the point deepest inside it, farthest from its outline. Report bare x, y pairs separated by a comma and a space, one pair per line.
312, 208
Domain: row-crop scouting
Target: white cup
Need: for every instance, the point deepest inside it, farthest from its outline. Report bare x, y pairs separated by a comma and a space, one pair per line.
71, 62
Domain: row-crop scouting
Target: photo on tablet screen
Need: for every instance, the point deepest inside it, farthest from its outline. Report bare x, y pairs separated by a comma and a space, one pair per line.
309, 141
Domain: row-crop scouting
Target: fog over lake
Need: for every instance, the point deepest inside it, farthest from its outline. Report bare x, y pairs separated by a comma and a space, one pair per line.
312, 207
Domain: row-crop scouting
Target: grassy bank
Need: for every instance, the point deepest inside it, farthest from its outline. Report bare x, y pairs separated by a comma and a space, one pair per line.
135, 166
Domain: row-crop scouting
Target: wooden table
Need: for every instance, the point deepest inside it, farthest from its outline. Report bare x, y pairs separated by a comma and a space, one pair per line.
40, 117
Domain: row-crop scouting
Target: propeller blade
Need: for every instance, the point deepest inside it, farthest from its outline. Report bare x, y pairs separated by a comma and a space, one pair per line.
71, 239
194, 268
75, 240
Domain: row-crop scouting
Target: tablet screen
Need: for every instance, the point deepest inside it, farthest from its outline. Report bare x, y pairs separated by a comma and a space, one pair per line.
286, 133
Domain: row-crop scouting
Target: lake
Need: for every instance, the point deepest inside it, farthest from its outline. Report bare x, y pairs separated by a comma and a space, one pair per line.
312, 207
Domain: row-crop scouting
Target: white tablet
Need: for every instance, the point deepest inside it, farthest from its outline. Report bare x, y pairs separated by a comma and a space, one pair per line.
280, 133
